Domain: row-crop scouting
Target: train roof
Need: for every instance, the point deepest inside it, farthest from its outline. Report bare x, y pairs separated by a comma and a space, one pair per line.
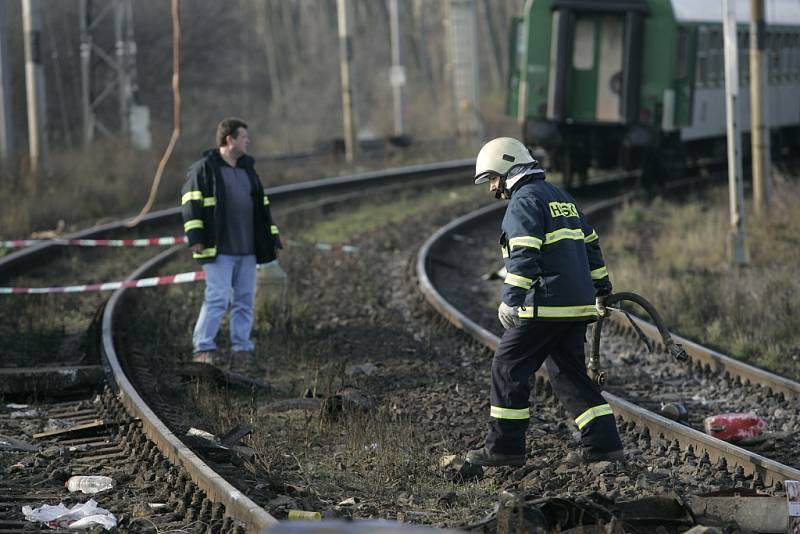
780, 12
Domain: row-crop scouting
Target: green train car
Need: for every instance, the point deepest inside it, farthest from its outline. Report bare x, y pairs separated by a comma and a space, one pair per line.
640, 83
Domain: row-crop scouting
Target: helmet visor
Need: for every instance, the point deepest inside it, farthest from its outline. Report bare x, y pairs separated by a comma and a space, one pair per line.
486, 176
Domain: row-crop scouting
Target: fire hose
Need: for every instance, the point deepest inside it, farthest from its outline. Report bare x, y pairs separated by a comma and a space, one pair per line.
596, 372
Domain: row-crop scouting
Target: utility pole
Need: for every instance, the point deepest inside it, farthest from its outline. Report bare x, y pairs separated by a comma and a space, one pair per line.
123, 33
346, 68
738, 241
119, 60
397, 74
6, 120
462, 51
265, 36
34, 85
85, 19
759, 139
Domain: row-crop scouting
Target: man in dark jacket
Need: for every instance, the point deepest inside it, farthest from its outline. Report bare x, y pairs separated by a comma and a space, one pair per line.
555, 282
227, 221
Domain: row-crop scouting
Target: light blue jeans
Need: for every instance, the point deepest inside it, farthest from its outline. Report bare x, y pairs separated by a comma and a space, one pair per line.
230, 280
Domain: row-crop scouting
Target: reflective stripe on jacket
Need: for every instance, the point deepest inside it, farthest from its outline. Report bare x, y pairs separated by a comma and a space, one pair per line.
203, 208
552, 255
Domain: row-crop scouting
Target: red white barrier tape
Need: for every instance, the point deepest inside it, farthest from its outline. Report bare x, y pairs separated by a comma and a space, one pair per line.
181, 278
145, 242
324, 246
149, 242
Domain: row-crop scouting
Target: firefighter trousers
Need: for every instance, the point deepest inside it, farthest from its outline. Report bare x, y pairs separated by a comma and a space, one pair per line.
521, 352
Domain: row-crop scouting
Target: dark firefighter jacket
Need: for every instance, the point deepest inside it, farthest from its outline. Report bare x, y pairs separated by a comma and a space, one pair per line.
553, 259
203, 205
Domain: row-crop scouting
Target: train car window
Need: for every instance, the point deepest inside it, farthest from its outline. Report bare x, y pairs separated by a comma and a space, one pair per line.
715, 70
768, 56
796, 54
682, 70
786, 56
774, 56
701, 76
744, 57
583, 51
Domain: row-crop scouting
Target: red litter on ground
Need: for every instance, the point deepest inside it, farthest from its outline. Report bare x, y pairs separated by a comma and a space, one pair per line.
734, 426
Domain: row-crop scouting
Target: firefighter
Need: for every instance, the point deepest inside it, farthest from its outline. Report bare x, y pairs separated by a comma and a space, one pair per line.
555, 285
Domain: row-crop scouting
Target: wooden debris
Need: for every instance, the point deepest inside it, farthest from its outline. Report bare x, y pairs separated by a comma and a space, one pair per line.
96, 424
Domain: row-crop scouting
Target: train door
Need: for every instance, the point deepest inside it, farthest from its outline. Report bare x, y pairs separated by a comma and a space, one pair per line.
594, 74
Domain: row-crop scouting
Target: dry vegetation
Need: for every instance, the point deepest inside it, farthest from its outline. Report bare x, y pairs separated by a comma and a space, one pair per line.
273, 62
676, 254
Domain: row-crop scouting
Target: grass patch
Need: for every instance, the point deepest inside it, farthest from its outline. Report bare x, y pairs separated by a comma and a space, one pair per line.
676, 255
344, 226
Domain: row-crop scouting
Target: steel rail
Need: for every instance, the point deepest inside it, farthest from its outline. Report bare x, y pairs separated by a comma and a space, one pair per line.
768, 471
712, 360
217, 489
237, 504
25, 256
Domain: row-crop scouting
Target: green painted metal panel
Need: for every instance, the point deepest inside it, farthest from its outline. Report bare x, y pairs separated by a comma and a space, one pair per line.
537, 32
658, 62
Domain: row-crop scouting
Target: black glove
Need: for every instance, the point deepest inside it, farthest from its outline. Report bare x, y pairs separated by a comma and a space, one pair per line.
603, 289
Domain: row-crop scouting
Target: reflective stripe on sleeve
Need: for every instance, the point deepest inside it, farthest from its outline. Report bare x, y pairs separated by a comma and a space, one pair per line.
525, 241
591, 237
558, 312
191, 195
504, 251
600, 273
192, 224
518, 281
209, 201
273, 230
591, 414
509, 413
266, 200
205, 253
563, 233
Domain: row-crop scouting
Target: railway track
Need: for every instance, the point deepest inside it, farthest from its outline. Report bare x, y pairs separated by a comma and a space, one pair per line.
158, 476
185, 500
638, 382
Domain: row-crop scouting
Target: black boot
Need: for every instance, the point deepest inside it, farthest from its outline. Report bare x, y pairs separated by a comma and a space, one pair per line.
586, 457
493, 459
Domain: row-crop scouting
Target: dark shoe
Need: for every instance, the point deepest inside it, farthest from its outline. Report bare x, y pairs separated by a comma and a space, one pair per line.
207, 357
587, 457
494, 459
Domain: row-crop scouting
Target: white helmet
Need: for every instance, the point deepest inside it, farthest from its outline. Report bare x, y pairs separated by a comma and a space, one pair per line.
498, 156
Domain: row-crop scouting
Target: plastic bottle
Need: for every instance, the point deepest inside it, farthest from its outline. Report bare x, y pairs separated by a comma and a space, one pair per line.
89, 484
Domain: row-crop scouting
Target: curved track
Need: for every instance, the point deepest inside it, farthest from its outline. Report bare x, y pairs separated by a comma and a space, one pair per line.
747, 468
197, 492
